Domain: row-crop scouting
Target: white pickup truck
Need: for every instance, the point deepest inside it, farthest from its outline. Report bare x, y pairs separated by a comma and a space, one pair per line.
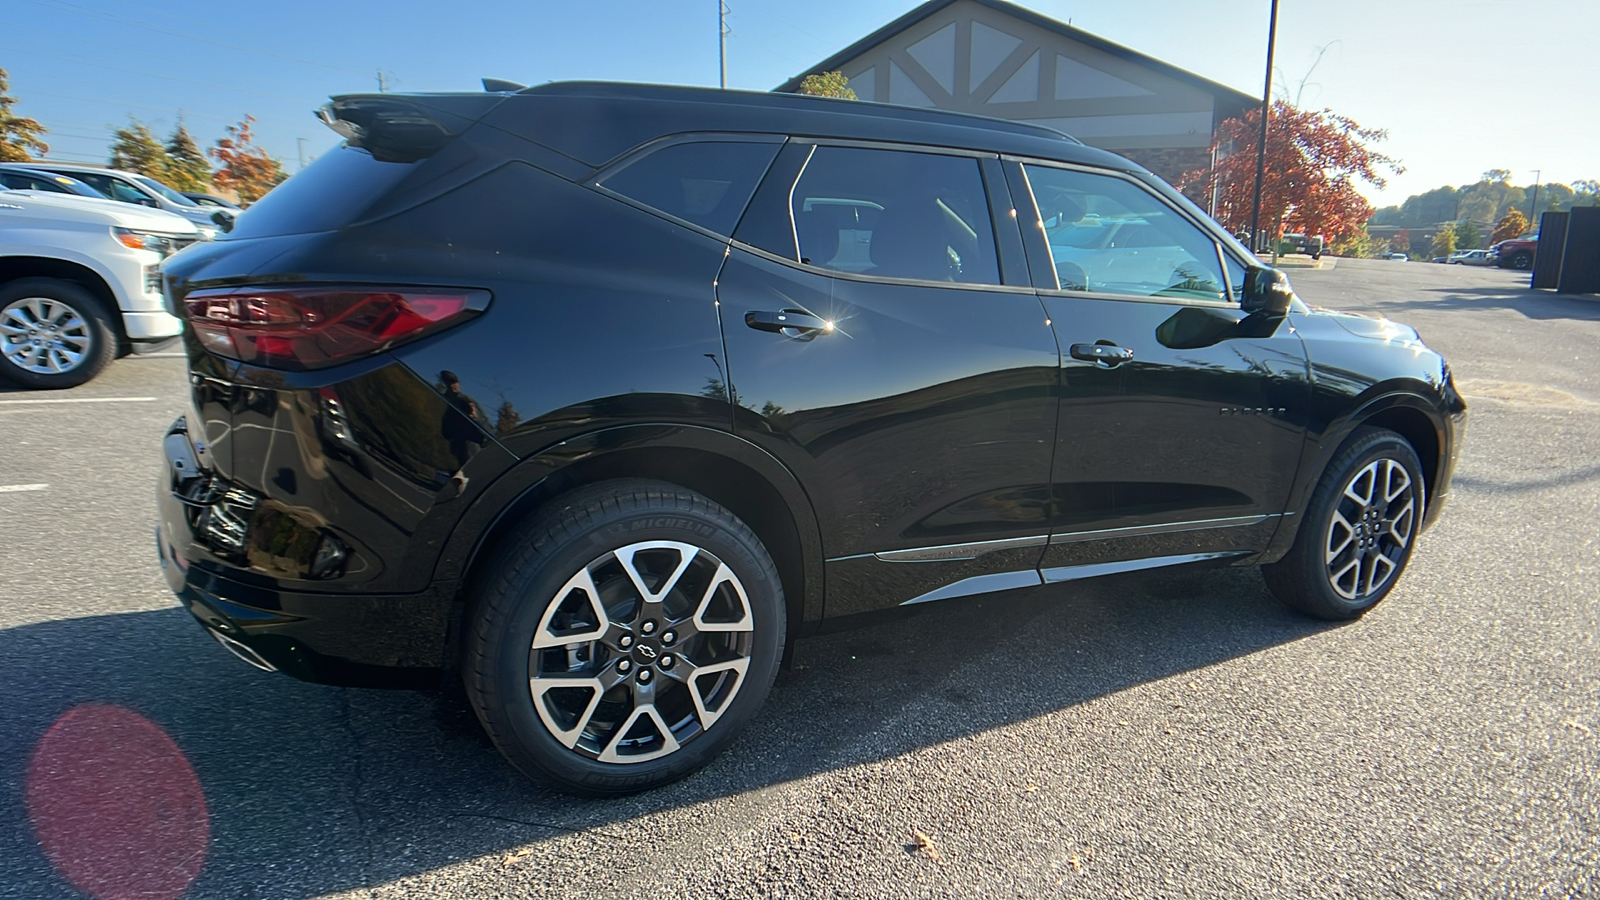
80, 283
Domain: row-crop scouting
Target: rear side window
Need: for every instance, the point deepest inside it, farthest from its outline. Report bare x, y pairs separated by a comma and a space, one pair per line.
331, 192
704, 182
115, 188
895, 214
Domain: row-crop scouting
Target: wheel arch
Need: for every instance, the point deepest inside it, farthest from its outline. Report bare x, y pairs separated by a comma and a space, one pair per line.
1405, 412
725, 468
16, 268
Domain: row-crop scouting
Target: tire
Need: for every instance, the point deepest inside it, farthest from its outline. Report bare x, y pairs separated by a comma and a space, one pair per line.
53, 333
1372, 541
569, 598
1522, 259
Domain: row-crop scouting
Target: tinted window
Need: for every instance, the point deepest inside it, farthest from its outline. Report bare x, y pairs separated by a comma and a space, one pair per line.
29, 183
115, 188
1112, 236
335, 190
705, 182
895, 214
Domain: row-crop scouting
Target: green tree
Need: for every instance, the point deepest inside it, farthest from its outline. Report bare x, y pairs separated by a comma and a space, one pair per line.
187, 169
1511, 225
1588, 192
245, 168
136, 149
1468, 235
19, 137
1444, 240
827, 84
1501, 176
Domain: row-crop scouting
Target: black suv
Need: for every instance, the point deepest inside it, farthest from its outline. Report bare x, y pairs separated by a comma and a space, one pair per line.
599, 395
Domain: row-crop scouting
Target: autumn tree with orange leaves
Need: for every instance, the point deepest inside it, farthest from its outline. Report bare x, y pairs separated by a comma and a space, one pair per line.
1314, 159
245, 168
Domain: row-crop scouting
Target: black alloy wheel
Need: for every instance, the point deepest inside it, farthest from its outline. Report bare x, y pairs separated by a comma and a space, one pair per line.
1522, 259
624, 638
1359, 531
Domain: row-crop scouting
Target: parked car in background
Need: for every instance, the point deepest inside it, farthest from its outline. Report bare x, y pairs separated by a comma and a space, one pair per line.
79, 282
20, 179
852, 357
1516, 253
1308, 245
211, 200
131, 187
1471, 258
1396, 256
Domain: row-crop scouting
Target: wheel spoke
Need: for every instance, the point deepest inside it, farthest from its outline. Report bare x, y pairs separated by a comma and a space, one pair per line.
1362, 487
1396, 480
1373, 577
581, 583
540, 687
1339, 521
742, 622
1399, 527
686, 553
669, 744
709, 715
1338, 577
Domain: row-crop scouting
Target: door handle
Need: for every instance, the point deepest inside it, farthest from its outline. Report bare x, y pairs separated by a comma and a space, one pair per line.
792, 323
1103, 352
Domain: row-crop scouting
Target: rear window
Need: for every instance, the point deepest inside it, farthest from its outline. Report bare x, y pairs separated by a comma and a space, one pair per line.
331, 192
704, 182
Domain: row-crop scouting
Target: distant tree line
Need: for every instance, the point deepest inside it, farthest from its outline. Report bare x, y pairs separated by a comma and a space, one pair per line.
234, 163
1476, 210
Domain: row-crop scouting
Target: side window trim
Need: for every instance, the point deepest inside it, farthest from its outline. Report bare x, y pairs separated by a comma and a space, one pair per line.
594, 181
1049, 283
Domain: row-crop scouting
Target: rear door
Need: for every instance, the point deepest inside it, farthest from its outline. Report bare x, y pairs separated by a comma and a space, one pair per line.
1182, 417
884, 342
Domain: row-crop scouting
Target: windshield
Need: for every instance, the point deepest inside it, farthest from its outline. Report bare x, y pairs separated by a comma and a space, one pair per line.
164, 191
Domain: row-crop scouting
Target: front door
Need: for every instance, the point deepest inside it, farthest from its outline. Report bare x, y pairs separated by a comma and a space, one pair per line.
1195, 455
885, 344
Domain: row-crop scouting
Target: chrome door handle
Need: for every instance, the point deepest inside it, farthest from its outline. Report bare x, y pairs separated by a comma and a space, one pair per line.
793, 323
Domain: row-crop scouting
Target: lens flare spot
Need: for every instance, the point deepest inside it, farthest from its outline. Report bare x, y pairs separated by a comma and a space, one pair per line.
116, 806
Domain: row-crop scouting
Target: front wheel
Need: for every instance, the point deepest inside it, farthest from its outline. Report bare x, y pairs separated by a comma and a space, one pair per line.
625, 636
1359, 530
1522, 260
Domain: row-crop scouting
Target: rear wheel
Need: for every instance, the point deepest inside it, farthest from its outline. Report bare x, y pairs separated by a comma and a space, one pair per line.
624, 637
53, 333
1359, 531
1522, 259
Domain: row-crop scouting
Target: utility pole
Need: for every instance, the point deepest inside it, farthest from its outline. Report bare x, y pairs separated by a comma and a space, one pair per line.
383, 82
1533, 205
1261, 148
722, 40
302, 142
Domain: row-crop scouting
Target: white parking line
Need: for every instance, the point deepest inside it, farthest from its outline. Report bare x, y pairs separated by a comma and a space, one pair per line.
19, 488
79, 400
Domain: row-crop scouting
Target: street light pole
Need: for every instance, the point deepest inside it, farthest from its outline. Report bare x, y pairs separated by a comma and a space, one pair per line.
722, 40
1261, 147
1533, 205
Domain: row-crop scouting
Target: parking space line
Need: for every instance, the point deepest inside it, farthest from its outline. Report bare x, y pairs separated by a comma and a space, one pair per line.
19, 488
34, 400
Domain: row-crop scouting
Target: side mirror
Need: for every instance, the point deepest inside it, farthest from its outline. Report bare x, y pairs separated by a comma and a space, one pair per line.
1266, 291
223, 220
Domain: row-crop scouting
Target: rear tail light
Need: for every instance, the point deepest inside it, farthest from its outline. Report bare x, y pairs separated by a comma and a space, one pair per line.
317, 327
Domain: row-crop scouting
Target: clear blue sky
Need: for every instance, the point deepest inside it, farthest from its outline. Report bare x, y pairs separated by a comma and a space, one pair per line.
1460, 86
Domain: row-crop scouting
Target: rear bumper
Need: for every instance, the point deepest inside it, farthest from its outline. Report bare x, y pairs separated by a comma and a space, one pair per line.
355, 639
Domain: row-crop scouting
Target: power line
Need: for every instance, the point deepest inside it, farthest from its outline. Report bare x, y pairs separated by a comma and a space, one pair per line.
219, 117
62, 6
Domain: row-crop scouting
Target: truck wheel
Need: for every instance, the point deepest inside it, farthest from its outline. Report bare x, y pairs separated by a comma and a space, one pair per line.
53, 333
1522, 259
623, 637
1359, 530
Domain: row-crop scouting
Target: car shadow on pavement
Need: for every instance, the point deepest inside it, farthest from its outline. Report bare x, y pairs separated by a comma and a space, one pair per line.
310, 790
1530, 303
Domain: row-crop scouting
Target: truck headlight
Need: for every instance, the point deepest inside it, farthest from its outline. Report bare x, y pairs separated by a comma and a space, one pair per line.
144, 240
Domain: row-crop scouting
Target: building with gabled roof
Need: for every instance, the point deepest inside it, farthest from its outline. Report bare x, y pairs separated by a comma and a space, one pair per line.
998, 59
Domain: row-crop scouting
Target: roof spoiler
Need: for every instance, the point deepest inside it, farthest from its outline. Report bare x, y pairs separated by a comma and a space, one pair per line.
501, 86
403, 128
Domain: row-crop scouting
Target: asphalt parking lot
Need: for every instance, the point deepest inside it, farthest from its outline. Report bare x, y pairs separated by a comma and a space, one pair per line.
1175, 736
